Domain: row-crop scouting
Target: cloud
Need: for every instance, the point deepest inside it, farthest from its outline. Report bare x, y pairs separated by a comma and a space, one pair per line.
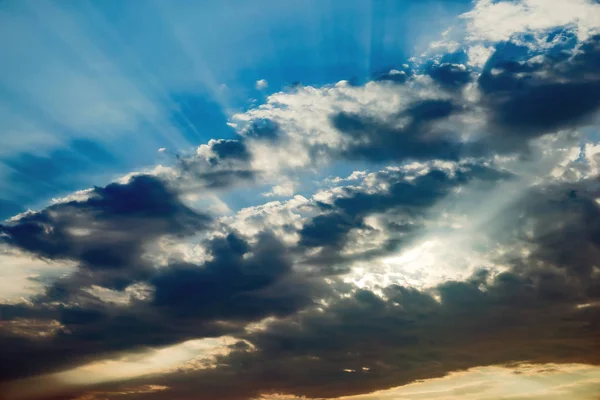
501, 21
525, 98
284, 190
515, 382
475, 151
535, 312
107, 231
443, 109
378, 140
117, 294
404, 197
240, 283
393, 75
261, 84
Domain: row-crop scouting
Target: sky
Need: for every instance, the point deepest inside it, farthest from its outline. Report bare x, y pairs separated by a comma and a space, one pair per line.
271, 200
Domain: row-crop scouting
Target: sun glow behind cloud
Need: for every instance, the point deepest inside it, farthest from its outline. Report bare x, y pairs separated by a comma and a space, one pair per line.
527, 381
191, 355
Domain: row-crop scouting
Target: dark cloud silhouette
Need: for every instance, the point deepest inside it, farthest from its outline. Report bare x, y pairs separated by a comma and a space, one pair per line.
225, 149
242, 283
377, 140
527, 99
393, 75
449, 75
106, 230
522, 97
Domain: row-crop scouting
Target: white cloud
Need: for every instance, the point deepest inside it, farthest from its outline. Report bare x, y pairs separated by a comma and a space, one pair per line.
498, 21
303, 116
285, 189
478, 55
261, 84
285, 219
519, 21
78, 196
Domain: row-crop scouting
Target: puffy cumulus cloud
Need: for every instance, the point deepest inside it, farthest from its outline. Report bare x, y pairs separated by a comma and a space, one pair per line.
534, 24
286, 189
250, 276
497, 21
304, 135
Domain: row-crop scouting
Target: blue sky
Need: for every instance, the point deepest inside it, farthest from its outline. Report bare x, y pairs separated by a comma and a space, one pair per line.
91, 90
299, 200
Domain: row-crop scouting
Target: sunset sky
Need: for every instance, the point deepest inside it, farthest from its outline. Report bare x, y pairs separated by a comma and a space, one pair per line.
300, 200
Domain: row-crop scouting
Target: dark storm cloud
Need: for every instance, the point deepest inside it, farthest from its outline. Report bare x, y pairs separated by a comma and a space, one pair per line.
530, 313
377, 140
527, 99
105, 235
562, 221
243, 282
329, 229
107, 232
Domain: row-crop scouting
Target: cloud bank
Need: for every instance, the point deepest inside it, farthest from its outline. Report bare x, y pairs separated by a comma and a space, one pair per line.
465, 233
